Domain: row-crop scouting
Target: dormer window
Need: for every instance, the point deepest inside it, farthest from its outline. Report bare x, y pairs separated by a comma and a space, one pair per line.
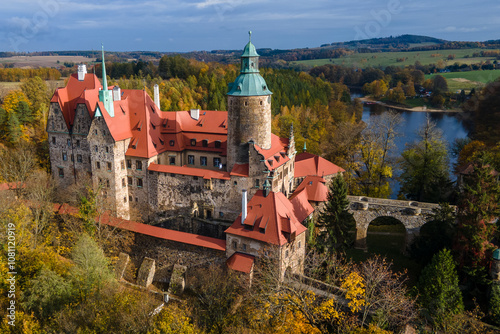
193, 142
172, 142
217, 144
204, 143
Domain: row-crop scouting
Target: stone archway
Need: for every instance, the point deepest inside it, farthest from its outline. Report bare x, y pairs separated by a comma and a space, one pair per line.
365, 210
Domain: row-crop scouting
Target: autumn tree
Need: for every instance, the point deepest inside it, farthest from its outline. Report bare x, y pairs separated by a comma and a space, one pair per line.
374, 155
424, 167
335, 222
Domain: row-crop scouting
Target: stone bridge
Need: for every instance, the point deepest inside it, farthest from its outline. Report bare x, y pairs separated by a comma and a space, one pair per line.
413, 215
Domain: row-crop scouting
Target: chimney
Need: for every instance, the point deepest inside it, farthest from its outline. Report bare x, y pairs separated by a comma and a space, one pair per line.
117, 94
82, 70
243, 205
157, 95
195, 114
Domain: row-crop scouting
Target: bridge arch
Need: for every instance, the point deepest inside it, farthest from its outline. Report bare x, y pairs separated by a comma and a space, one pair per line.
411, 214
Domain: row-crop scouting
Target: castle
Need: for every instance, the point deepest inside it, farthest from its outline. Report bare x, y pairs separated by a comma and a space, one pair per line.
194, 163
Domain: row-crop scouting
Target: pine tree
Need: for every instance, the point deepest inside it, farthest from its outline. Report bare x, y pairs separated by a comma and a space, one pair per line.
479, 205
440, 293
335, 221
13, 129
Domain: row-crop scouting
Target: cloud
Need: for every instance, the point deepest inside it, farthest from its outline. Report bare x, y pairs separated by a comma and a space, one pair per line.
462, 29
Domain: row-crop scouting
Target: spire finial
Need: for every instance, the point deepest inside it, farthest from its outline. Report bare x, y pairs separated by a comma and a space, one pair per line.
250, 35
104, 79
305, 146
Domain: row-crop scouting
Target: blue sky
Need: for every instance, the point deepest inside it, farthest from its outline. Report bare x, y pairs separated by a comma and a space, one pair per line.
172, 25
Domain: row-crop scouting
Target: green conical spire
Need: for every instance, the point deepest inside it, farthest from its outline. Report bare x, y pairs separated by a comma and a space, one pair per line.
305, 146
105, 95
104, 79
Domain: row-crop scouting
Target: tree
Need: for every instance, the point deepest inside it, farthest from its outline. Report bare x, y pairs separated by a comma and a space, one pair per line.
438, 283
374, 155
335, 221
478, 206
425, 167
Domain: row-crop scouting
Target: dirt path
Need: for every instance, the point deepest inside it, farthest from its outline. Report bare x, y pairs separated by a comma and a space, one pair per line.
418, 109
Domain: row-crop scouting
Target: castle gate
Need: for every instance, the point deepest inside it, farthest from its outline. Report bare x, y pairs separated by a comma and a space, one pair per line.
413, 215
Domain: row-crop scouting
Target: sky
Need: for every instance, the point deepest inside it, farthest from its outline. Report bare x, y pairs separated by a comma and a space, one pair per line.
195, 25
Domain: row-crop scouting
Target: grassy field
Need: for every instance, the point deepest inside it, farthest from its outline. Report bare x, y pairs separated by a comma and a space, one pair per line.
44, 61
6, 87
384, 59
468, 80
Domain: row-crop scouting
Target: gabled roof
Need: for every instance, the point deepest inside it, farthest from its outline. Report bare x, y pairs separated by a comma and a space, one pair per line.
276, 155
301, 206
241, 262
240, 170
311, 164
77, 92
270, 219
315, 188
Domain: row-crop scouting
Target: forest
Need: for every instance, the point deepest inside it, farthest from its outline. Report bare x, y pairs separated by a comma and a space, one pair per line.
65, 282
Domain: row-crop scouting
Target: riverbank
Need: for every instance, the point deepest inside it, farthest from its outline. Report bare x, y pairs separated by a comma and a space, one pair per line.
368, 101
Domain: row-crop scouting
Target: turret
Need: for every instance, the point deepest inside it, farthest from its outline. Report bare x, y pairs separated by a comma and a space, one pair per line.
249, 109
105, 95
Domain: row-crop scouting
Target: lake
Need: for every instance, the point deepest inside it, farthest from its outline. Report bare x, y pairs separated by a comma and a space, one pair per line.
449, 123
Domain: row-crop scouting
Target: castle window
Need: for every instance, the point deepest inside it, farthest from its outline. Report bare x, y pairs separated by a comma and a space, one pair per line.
193, 142
203, 161
244, 247
260, 102
235, 245
107, 183
53, 140
95, 148
217, 163
129, 163
171, 160
69, 142
107, 149
139, 182
125, 199
172, 142
130, 198
195, 177
204, 143
286, 253
109, 166
77, 143
61, 172
257, 183
130, 182
246, 103
72, 158
221, 214
97, 165
235, 183
95, 131
123, 182
122, 164
79, 158
138, 165
172, 175
137, 199
298, 245
217, 144
190, 159
65, 156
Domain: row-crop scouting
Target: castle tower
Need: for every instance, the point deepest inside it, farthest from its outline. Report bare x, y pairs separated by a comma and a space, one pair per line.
106, 95
249, 109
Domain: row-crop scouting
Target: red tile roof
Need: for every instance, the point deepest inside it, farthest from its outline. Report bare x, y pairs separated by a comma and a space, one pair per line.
311, 164
315, 187
276, 155
240, 170
301, 206
185, 170
241, 262
154, 231
9, 186
269, 219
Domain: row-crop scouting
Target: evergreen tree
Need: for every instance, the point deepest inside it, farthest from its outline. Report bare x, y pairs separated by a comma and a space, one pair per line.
335, 221
13, 129
440, 293
495, 303
24, 113
425, 167
478, 206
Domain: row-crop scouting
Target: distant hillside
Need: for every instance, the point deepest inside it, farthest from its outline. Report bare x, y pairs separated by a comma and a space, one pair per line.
403, 41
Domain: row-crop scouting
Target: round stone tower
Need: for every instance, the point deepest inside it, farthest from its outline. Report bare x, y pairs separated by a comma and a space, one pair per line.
249, 109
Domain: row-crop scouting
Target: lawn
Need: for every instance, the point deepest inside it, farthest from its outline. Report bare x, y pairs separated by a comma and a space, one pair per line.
468, 80
401, 59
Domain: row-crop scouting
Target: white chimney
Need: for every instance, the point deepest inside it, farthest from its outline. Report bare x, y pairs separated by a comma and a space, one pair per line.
157, 95
195, 114
243, 205
117, 93
82, 70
